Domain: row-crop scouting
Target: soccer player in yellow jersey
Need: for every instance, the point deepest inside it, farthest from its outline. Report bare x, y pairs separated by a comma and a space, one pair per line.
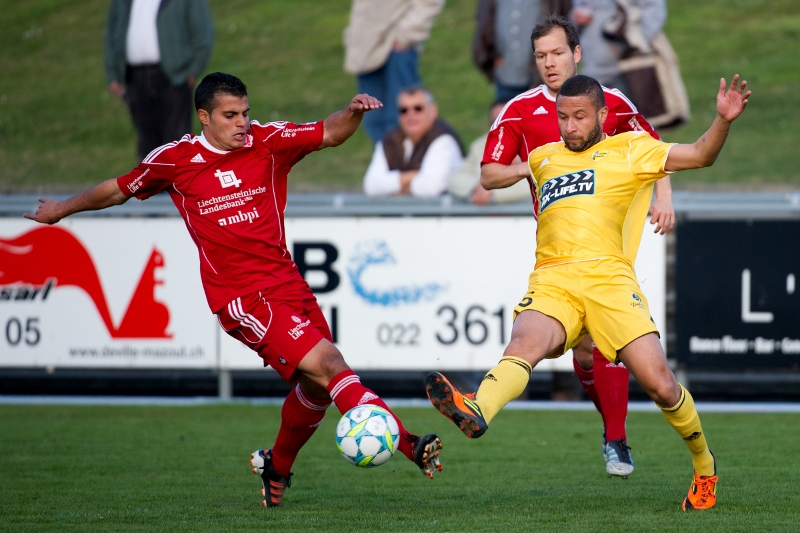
583, 280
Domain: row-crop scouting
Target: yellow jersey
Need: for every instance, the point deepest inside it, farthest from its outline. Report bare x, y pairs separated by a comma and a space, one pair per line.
592, 204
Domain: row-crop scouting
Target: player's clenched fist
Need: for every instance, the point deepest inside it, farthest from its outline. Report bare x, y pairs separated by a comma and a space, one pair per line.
364, 102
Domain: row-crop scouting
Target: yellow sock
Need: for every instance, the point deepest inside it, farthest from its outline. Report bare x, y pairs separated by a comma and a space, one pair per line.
503, 383
683, 417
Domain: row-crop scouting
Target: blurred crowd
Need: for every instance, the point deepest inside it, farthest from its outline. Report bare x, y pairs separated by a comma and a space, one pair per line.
155, 50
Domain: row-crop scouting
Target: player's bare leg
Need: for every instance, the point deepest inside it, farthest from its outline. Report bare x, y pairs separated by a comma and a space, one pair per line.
325, 366
645, 358
533, 337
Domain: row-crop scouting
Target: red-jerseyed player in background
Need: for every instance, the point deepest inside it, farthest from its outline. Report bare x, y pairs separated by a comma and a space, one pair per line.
530, 121
229, 184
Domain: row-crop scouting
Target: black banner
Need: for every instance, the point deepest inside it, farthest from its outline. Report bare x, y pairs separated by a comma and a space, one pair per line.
738, 295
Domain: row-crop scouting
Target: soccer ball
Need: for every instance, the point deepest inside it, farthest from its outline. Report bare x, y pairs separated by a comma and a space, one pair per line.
367, 435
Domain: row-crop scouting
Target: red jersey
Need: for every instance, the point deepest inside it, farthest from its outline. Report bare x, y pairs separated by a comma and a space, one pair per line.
232, 203
530, 120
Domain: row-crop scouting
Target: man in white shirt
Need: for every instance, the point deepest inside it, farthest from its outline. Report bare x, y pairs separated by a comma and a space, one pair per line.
418, 157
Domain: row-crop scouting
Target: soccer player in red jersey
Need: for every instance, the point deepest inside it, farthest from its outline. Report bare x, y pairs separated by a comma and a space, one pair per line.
229, 185
530, 121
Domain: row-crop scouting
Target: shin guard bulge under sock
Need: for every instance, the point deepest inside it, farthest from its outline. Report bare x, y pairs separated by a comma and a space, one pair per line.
300, 416
611, 382
683, 417
586, 377
503, 383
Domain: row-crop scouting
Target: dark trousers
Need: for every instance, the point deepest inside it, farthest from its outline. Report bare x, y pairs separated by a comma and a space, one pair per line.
161, 112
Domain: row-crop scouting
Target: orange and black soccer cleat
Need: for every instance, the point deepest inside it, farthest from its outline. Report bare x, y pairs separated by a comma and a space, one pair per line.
426, 453
273, 485
456, 406
702, 492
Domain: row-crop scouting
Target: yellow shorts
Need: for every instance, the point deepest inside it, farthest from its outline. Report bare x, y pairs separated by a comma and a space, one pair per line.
600, 297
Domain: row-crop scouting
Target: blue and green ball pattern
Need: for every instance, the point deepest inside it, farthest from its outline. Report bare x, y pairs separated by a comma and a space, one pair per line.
367, 435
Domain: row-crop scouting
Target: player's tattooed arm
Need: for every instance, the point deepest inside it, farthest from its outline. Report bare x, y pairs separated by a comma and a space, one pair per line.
100, 196
662, 212
341, 125
703, 152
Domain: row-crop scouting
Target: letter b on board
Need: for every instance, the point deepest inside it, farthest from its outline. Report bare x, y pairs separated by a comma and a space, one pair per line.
316, 259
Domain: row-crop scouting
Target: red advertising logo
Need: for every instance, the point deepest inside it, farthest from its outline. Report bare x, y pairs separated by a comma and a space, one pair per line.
49, 257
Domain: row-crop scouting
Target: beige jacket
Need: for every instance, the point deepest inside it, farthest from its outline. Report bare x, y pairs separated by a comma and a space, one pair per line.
376, 25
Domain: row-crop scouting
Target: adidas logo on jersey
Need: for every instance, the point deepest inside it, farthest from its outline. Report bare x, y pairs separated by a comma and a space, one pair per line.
544, 163
198, 159
540, 111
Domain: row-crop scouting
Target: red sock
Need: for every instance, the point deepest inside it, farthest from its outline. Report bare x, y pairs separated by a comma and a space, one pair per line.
347, 392
300, 417
586, 377
611, 382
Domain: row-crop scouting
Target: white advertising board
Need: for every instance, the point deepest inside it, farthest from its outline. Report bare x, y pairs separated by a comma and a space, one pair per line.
400, 293
427, 293
106, 293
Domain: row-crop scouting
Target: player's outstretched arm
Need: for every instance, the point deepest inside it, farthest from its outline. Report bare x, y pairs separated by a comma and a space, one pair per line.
100, 196
500, 176
341, 125
703, 152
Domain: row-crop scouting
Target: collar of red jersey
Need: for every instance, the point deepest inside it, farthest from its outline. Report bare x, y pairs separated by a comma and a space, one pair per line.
208, 146
546, 93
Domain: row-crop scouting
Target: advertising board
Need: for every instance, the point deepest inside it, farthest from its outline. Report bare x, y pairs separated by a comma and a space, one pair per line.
400, 293
738, 304
427, 292
110, 293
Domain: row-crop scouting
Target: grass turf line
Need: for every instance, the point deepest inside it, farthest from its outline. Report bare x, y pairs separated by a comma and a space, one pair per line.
61, 130
68, 468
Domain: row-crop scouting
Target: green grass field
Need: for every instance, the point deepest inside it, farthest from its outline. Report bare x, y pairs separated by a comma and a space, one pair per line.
60, 129
67, 468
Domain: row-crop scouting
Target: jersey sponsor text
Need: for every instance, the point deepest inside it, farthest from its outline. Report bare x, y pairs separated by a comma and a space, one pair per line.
498, 149
136, 183
581, 182
248, 216
236, 199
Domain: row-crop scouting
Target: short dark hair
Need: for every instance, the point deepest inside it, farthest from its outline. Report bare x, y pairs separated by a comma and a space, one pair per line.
581, 85
549, 23
216, 83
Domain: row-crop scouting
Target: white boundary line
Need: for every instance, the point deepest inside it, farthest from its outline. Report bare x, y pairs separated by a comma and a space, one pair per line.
536, 405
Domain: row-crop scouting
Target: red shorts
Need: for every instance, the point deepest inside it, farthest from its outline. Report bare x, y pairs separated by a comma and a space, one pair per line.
281, 324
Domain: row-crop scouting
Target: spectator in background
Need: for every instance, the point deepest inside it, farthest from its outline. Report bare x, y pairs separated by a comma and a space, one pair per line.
417, 157
382, 45
465, 183
154, 52
600, 54
501, 47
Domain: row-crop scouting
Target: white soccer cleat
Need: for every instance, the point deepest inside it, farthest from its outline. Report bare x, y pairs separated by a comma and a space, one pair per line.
618, 458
